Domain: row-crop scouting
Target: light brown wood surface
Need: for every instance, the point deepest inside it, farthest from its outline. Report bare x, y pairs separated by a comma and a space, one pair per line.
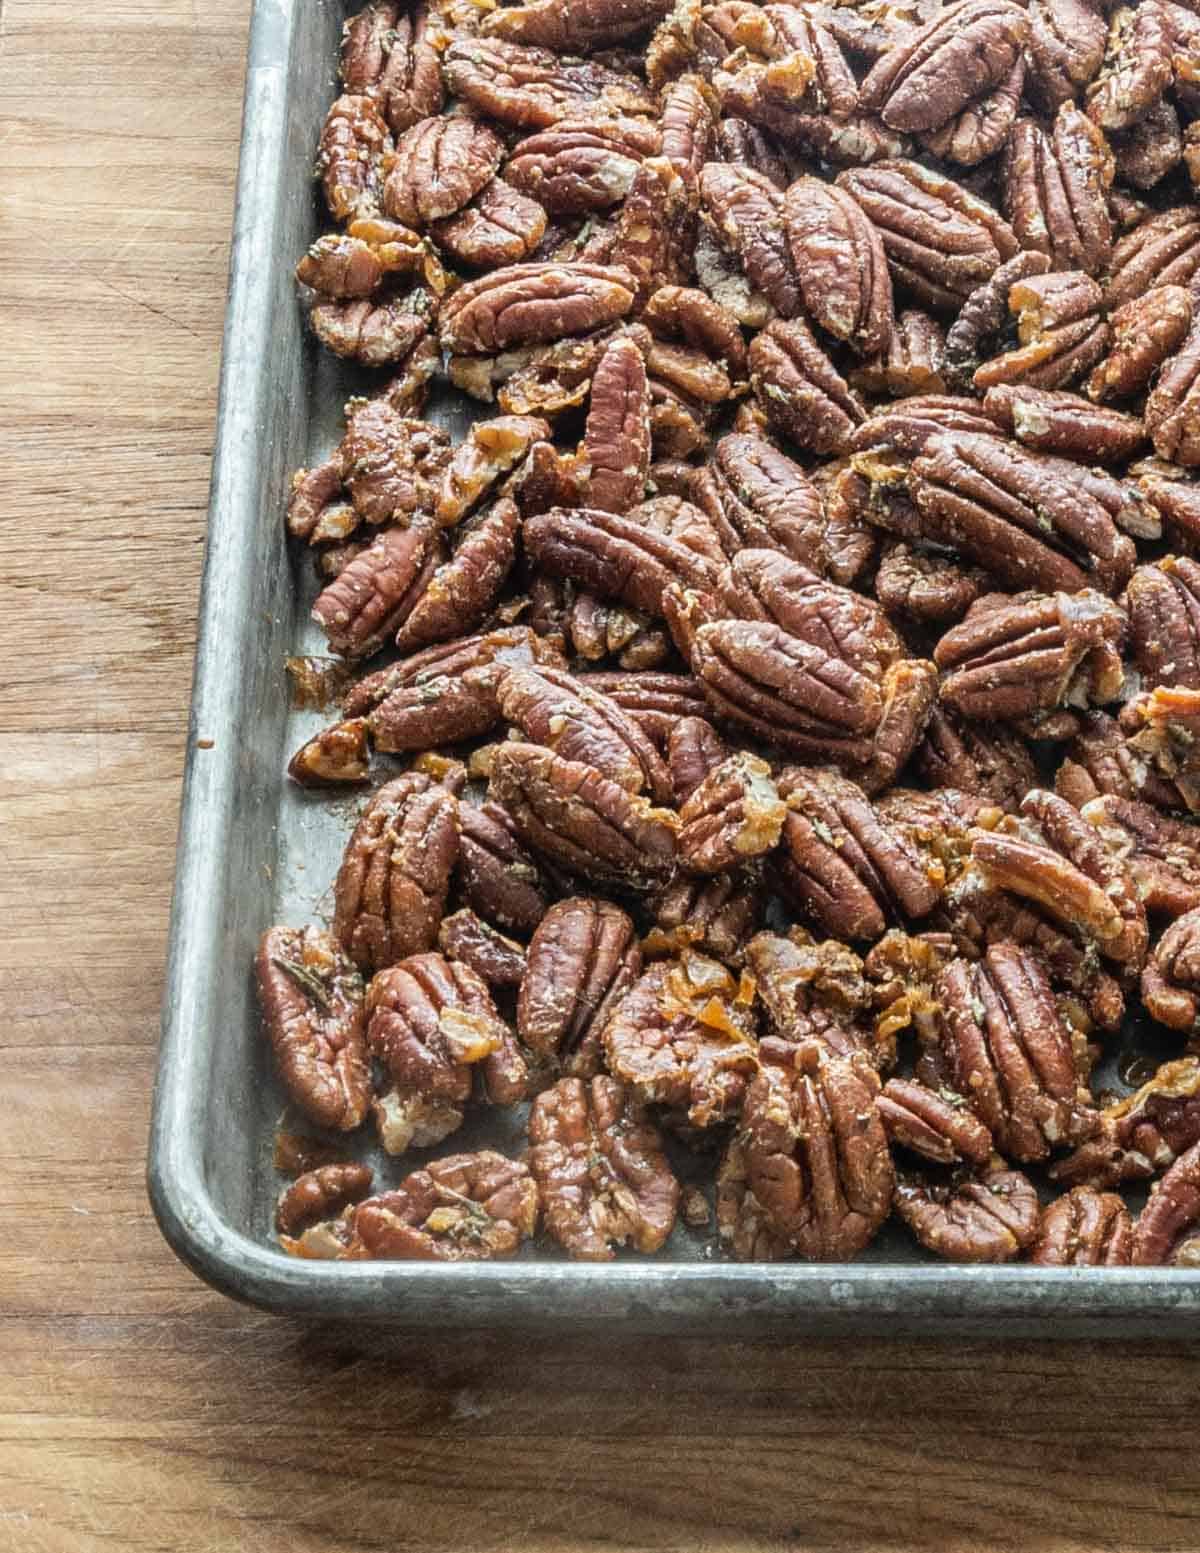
140, 1412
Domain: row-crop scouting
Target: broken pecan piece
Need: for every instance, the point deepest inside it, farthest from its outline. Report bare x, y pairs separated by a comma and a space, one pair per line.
813, 991
391, 463
461, 591
320, 1194
601, 1171
337, 755
1165, 1233
498, 961
912, 362
984, 315
1163, 855
1171, 978
1142, 1134
929, 588
463, 1208
715, 915
312, 1005
735, 814
989, 762
989, 1217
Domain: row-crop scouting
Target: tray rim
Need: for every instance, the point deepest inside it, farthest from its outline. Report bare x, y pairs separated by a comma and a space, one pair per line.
885, 1298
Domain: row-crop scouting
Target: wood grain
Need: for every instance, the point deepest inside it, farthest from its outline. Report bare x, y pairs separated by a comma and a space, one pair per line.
140, 1412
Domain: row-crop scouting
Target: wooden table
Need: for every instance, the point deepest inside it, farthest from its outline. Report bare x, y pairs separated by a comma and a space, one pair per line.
139, 1411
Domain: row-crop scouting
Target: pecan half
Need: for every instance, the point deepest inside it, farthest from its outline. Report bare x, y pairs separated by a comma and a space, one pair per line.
1056, 190
616, 439
390, 892
927, 587
354, 138
461, 591
341, 267
532, 88
1163, 601
1084, 1228
1164, 1234
1137, 66
1171, 978
312, 1006
989, 762
936, 1124
570, 814
499, 226
1062, 335
990, 1217
525, 304
683, 1035
582, 165
800, 391
840, 264
1147, 151
601, 1171
746, 209
568, 25
320, 1194
1146, 331
378, 333
391, 464
497, 876
582, 960
735, 814
1172, 411
756, 496
1065, 49
1050, 421
463, 1208
439, 165
912, 363
1162, 251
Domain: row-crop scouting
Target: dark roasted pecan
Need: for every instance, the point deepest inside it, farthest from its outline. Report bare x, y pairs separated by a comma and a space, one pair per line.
1051, 421
1147, 151
1162, 251
912, 363
799, 389
714, 915
463, 1208
1146, 331
1172, 411
1010, 1054
1084, 1228
1056, 190
981, 128
983, 315
390, 892
840, 265
532, 88
746, 209
937, 1124
601, 1171
1171, 979
1142, 1134
813, 991
817, 1160
1162, 854
312, 1005
1035, 652
757, 496
930, 588
734, 815
941, 242
694, 751
1137, 66
524, 304
576, 818
391, 464
990, 1217
496, 874
582, 165
683, 1035
989, 762
1165, 1234
1020, 515
353, 139
746, 1229
499, 226
616, 442
337, 755
499, 961
582, 960
320, 1194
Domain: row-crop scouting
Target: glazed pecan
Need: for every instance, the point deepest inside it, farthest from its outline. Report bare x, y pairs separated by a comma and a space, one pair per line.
1018, 514
1162, 854
1147, 151
686, 314
354, 138
1146, 331
1010, 1054
800, 391
1165, 727
734, 815
927, 587
320, 1194
1056, 190
387, 52
1164, 1234
989, 1217
495, 873
941, 241
1034, 652
1061, 333
570, 814
746, 210
461, 591
1172, 411
758, 497
813, 992
1163, 601
658, 701
391, 464
390, 892
936, 1124
562, 712
1051, 421
984, 315
1161, 251
1084, 1228
380, 334
683, 1035
341, 267
601, 1171
439, 165
817, 1160
912, 363
582, 165
499, 226
490, 450
497, 960
1065, 49
582, 960
567, 26
989, 762
312, 1006
463, 1208
1173, 499
1171, 978
687, 134
334, 757
361, 607
715, 915
1137, 66
1142, 1134
1101, 759
532, 88
525, 304
840, 265
896, 433
616, 440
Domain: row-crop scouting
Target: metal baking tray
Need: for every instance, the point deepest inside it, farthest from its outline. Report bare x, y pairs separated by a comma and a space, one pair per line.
254, 849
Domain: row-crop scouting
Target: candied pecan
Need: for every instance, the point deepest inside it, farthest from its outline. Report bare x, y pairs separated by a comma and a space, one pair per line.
840, 264
937, 1124
806, 66
390, 892
361, 607
1084, 1228
491, 449
1018, 514
799, 389
694, 751
499, 226
571, 814
687, 133
391, 463
583, 165
928, 588
746, 1229
497, 960
1061, 333
366, 41
715, 915
1165, 725
463, 1208
898, 432
461, 591
439, 165
1137, 66
568, 25
1142, 1134
320, 1194
601, 1171
1163, 601
353, 139
1055, 422
719, 275
554, 708
812, 992
941, 241
582, 960
1165, 1232
496, 874
658, 701
533, 88
1100, 759
683, 1035
842, 866
688, 314
1033, 652
989, 1217
817, 1160
1171, 978
911, 364
1010, 1054
616, 557
341, 267
904, 968
524, 304
1066, 869
642, 244
1172, 413
757, 496
1170, 496
312, 1006
982, 127
734, 815
959, 56
1162, 251
746, 210
983, 315
1147, 151
989, 762
1163, 855
1146, 331
337, 755
1056, 190
379, 334
312, 491
616, 442
1065, 49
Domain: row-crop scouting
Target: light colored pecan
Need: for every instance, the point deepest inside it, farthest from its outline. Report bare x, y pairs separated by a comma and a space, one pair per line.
683, 1035
746, 208
616, 439
989, 1217
582, 165
582, 960
462, 1208
1172, 413
354, 139
491, 449
735, 814
601, 1171
1056, 190
1051, 421
1162, 854
495, 959
799, 389
337, 755
1146, 331
524, 304
1161, 251
532, 88
986, 761
312, 1006
941, 241
1137, 66
1165, 1232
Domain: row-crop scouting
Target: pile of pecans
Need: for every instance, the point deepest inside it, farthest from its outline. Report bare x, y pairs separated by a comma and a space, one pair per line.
792, 694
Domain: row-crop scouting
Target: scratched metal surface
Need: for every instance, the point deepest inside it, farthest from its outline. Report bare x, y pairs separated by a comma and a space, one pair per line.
254, 849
